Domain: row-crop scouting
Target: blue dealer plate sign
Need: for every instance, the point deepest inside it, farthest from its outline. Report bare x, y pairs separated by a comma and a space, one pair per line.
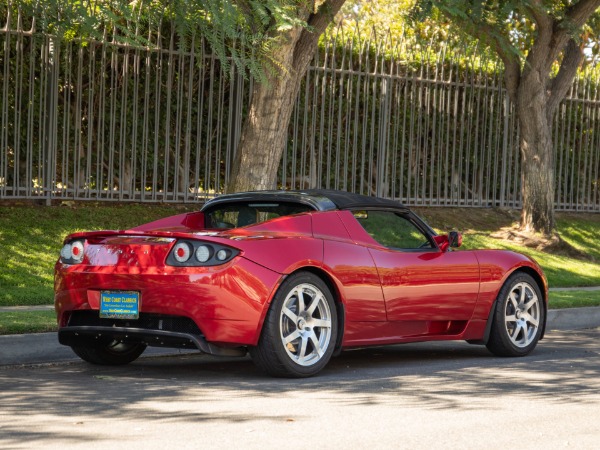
119, 304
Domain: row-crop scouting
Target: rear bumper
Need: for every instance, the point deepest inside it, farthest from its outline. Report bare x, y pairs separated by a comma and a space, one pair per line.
90, 335
226, 304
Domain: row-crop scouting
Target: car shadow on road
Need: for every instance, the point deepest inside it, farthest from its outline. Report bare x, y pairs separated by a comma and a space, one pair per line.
565, 368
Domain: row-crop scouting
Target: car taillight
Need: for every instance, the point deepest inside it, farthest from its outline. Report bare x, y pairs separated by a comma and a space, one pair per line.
192, 253
72, 252
203, 253
182, 252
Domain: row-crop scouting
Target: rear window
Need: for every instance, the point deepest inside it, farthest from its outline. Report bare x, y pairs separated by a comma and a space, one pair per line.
241, 214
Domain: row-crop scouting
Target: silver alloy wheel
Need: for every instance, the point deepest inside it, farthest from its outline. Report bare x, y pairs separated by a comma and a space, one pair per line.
522, 314
305, 324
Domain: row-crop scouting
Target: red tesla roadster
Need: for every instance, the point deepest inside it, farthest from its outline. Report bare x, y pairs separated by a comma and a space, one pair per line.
292, 277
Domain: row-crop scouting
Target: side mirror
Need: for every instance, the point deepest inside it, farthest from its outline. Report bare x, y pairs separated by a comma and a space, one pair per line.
455, 239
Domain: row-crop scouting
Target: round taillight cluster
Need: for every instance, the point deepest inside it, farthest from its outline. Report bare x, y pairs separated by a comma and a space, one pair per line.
72, 252
182, 252
190, 253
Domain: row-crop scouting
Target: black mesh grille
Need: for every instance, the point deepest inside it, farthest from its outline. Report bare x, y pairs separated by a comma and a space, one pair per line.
146, 321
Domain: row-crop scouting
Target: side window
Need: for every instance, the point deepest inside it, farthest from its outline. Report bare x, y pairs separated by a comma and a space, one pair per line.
392, 230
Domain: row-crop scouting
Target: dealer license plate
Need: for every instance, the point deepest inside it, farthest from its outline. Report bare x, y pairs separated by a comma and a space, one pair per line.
119, 304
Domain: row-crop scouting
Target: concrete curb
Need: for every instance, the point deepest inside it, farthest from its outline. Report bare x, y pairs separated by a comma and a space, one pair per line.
573, 318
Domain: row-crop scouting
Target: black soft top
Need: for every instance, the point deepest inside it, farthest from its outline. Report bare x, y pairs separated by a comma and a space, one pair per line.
319, 199
349, 200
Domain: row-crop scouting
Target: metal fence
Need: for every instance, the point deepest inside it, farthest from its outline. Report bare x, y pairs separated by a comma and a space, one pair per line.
423, 124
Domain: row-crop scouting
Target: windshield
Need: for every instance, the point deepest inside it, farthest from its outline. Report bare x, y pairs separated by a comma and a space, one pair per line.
241, 214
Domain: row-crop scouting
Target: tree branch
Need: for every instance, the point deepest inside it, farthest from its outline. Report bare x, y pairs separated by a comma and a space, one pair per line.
560, 85
536, 10
324, 15
575, 17
317, 23
579, 13
538, 57
500, 44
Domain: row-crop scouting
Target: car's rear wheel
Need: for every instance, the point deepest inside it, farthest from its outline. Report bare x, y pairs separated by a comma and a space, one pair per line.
299, 334
518, 318
111, 354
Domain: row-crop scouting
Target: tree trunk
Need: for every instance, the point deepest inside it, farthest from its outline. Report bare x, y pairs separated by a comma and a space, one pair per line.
265, 130
537, 156
264, 135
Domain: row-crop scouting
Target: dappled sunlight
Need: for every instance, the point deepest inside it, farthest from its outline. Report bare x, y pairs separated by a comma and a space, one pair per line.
195, 388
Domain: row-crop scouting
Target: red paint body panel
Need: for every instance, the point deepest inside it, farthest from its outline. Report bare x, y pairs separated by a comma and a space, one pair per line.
357, 280
226, 302
428, 285
389, 296
351, 268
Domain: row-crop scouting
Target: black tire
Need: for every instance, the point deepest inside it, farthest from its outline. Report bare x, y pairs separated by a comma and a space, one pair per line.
312, 333
519, 317
111, 354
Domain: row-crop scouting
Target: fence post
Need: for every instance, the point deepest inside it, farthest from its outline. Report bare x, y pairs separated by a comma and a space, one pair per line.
504, 151
51, 100
382, 182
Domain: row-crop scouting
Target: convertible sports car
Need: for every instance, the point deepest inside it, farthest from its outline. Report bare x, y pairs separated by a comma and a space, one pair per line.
293, 277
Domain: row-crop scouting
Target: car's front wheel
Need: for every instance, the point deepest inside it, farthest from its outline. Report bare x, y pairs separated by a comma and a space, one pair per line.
111, 354
518, 318
300, 330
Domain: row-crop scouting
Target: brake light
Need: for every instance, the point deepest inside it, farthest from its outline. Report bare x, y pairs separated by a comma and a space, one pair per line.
182, 252
72, 252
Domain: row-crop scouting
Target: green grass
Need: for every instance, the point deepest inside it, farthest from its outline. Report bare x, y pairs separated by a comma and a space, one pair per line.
561, 271
31, 238
573, 299
21, 322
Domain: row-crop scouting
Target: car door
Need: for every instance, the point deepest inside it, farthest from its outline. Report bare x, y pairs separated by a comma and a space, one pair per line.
420, 282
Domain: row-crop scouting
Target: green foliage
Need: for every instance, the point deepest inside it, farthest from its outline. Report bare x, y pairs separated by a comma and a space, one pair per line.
246, 32
33, 246
509, 24
32, 237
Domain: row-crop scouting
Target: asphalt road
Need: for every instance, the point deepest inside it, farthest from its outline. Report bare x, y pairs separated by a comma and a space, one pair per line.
428, 395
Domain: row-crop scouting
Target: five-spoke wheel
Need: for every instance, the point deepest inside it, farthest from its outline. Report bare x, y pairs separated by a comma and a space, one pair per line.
299, 334
518, 317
